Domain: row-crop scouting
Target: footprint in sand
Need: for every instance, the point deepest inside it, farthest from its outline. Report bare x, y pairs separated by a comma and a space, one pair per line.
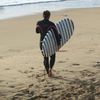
76, 64
1, 81
90, 51
12, 86
61, 61
7, 68
25, 72
40, 77
87, 73
1, 57
25, 93
97, 64
13, 50
31, 85
63, 51
65, 15
32, 68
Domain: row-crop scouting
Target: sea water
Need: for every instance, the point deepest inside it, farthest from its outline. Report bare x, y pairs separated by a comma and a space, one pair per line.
15, 8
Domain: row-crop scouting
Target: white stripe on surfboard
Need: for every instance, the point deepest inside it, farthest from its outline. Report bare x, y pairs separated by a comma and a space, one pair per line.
67, 30
62, 40
66, 37
53, 44
70, 28
67, 25
52, 41
45, 49
59, 30
49, 40
64, 32
47, 46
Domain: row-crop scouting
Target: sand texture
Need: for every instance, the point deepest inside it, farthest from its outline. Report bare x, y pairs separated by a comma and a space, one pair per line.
76, 74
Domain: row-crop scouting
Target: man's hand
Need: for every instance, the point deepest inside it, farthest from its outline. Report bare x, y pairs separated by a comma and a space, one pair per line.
58, 47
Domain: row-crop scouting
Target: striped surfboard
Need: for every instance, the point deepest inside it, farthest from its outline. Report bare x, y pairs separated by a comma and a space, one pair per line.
65, 27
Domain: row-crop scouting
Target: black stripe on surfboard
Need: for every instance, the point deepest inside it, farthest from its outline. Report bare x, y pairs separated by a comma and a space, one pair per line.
71, 30
46, 42
59, 30
45, 49
65, 29
46, 46
64, 32
52, 42
67, 25
51, 49
71, 27
63, 37
49, 45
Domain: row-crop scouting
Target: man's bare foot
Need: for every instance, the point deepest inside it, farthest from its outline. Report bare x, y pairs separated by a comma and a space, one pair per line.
50, 73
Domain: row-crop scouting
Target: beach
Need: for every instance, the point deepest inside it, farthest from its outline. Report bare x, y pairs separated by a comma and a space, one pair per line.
77, 68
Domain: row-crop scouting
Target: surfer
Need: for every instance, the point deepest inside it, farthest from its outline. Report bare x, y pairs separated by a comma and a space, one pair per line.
42, 27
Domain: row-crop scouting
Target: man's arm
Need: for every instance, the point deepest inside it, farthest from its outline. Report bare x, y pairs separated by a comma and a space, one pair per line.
38, 28
57, 35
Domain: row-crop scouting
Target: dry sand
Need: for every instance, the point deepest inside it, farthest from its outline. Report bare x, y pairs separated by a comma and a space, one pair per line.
77, 68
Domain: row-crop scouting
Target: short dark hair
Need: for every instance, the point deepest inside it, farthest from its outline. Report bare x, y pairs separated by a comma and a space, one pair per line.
46, 14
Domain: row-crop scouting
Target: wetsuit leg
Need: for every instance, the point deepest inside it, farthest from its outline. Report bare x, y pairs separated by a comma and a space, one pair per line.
46, 60
52, 60
46, 64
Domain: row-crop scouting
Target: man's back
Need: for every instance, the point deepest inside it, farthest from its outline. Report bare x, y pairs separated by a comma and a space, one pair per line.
43, 26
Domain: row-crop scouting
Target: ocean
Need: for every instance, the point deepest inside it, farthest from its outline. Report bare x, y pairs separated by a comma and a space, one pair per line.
15, 8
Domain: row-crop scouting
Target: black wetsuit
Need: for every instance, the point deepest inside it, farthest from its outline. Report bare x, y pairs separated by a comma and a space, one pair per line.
42, 27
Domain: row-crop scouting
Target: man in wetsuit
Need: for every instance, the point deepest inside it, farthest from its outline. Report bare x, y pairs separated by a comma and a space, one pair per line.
42, 27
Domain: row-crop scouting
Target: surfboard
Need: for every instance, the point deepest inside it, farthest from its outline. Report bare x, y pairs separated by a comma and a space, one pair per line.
65, 28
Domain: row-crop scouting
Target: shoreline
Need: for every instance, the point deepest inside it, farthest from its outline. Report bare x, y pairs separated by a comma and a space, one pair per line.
77, 68
38, 13
9, 12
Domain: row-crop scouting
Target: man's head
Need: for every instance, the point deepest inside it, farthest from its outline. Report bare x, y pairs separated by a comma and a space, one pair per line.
46, 14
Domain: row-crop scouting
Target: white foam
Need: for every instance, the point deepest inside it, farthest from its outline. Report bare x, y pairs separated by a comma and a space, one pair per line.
22, 10
15, 2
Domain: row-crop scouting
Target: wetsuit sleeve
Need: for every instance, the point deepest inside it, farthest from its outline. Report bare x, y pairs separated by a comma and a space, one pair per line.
38, 29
